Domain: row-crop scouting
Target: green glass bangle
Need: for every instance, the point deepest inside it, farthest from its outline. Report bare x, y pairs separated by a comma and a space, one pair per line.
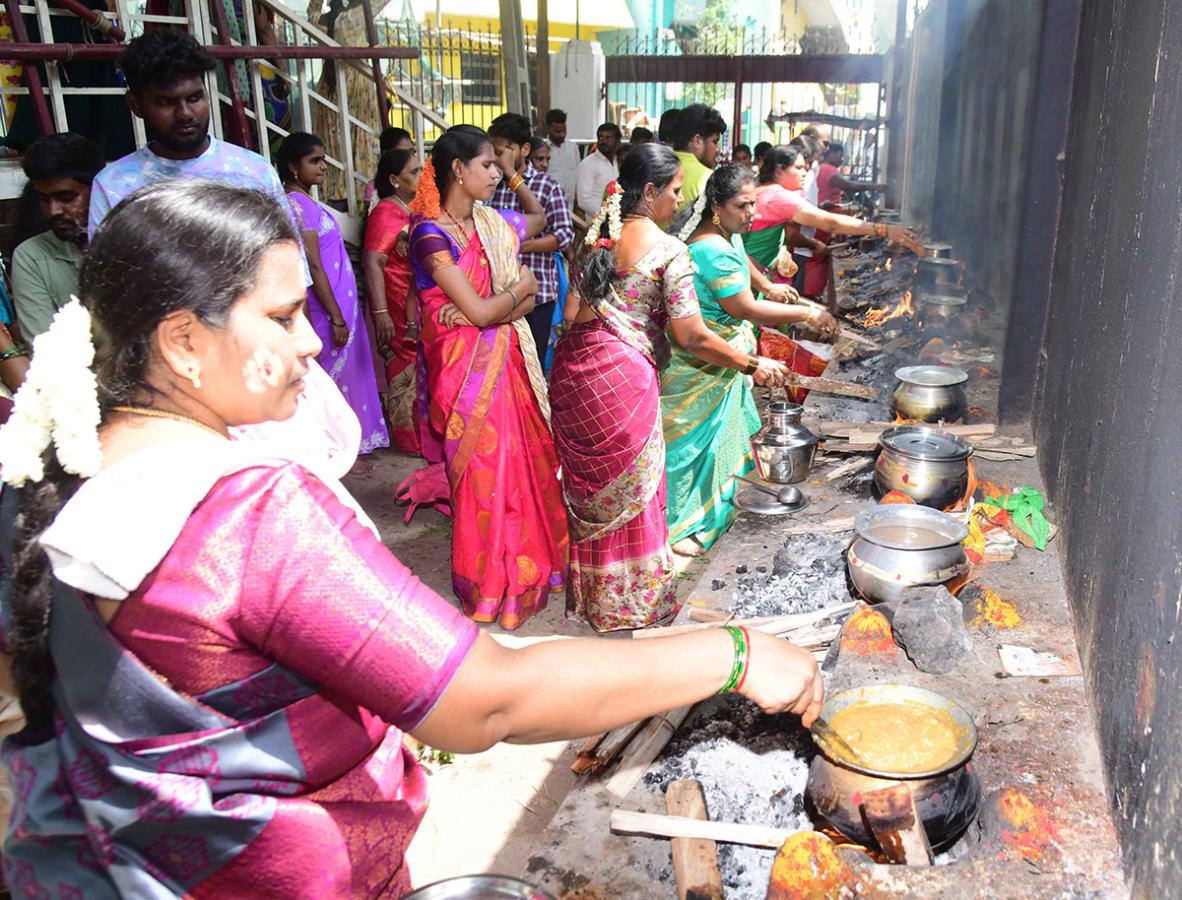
742, 654
13, 353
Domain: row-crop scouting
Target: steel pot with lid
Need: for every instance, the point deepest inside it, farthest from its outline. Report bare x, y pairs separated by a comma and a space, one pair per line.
899, 546
947, 799
938, 250
784, 448
935, 272
928, 465
930, 393
945, 306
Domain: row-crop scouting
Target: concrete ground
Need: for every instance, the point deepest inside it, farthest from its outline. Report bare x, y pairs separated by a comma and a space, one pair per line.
488, 810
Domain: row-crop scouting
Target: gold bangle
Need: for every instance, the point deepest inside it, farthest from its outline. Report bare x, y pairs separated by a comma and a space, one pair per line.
516, 181
752, 365
382, 310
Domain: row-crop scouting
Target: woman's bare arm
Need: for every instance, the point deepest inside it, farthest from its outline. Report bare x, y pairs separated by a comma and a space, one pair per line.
562, 689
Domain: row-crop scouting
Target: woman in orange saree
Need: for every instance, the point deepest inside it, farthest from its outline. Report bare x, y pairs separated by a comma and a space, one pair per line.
487, 395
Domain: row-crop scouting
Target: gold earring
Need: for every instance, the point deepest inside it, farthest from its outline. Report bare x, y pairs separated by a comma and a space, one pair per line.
716, 220
195, 377
459, 179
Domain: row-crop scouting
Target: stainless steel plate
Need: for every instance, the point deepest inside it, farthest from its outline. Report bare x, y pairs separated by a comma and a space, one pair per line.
754, 500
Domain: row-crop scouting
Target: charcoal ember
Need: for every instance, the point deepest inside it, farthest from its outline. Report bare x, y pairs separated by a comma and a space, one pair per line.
807, 573
717, 584
753, 769
928, 623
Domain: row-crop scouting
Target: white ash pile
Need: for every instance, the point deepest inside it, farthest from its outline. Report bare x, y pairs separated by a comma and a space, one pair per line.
807, 574
753, 769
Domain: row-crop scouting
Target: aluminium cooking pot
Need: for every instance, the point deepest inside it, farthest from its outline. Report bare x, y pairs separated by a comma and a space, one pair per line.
930, 393
899, 546
947, 799
928, 465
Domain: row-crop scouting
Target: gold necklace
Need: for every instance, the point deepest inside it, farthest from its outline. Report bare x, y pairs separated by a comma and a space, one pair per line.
151, 412
460, 228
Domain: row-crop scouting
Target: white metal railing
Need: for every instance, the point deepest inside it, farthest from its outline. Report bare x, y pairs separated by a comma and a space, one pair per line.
300, 75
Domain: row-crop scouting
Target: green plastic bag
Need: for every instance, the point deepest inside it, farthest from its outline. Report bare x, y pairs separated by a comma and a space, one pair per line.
1025, 507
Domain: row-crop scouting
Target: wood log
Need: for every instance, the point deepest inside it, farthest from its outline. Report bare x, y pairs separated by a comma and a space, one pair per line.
869, 431
832, 386
651, 740
613, 744
833, 526
771, 624
626, 822
850, 467
695, 860
890, 812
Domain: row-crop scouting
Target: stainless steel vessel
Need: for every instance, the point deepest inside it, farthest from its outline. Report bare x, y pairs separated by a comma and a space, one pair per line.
480, 887
900, 546
784, 448
946, 306
928, 465
930, 393
939, 250
935, 272
947, 799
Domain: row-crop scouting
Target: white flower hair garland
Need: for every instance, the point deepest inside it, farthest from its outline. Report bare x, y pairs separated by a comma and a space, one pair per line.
609, 212
58, 402
695, 217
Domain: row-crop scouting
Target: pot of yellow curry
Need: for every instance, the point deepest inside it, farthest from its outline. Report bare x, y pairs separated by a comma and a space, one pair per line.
905, 735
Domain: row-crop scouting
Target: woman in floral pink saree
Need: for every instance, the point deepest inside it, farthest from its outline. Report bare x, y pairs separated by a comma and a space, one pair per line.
605, 396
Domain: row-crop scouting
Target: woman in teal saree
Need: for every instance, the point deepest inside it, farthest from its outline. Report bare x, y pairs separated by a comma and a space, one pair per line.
709, 411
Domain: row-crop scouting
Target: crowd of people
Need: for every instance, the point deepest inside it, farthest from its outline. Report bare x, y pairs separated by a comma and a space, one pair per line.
216, 655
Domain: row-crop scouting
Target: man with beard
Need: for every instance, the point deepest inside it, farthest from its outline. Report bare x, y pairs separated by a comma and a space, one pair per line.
60, 169
165, 73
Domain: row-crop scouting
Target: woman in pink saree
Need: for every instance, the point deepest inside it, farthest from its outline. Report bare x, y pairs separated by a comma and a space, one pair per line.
487, 392
605, 396
216, 655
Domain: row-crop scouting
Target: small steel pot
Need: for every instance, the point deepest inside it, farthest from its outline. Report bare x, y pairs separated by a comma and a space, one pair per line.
928, 465
933, 273
784, 448
938, 250
930, 393
947, 800
941, 307
900, 546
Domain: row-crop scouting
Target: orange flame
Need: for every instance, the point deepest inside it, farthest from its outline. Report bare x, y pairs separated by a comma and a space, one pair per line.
881, 316
888, 264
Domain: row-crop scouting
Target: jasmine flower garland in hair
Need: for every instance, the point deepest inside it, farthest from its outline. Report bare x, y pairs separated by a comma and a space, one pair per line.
58, 401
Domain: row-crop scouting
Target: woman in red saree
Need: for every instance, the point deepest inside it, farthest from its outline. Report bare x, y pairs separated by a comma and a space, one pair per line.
605, 394
487, 394
385, 260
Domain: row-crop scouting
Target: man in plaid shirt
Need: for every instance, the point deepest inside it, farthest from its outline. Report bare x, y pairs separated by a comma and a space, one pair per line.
512, 130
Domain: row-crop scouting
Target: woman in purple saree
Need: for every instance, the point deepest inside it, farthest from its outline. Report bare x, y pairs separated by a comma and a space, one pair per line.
216, 655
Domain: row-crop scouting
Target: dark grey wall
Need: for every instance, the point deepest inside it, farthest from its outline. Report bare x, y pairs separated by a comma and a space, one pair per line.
971, 70
1108, 419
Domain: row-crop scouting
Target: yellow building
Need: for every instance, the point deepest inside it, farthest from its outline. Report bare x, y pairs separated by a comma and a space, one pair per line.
462, 73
